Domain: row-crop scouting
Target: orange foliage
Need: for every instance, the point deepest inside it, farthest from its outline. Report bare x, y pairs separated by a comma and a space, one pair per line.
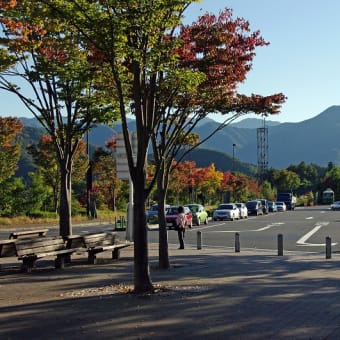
7, 4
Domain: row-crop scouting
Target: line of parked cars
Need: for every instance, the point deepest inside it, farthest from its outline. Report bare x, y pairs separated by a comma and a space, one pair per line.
195, 215
236, 211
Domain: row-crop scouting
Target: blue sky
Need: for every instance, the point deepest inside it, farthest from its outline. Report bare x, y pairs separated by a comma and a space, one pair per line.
302, 60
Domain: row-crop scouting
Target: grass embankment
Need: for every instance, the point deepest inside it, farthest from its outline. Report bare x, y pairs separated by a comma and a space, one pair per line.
25, 221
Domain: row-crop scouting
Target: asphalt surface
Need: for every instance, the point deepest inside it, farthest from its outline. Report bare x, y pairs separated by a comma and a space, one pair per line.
207, 293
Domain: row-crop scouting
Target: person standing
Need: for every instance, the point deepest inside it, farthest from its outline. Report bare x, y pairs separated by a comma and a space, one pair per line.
181, 225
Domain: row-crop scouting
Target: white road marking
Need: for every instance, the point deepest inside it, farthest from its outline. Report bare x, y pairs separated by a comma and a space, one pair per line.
250, 230
310, 218
303, 240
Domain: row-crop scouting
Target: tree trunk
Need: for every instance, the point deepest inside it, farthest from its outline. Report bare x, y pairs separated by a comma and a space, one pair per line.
142, 280
163, 251
65, 202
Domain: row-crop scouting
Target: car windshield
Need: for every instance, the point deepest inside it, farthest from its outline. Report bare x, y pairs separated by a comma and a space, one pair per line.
172, 211
239, 205
226, 206
193, 208
154, 208
251, 204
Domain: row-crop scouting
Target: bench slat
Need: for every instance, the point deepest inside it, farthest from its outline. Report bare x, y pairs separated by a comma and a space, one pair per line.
98, 239
39, 245
28, 233
50, 253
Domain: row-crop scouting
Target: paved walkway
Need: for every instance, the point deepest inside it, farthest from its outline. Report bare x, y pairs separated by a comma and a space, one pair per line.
210, 294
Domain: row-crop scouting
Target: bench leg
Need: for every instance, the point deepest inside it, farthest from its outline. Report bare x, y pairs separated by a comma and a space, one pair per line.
59, 262
115, 254
27, 264
91, 258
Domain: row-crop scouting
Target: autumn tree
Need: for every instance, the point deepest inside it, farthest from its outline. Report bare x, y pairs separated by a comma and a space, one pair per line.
133, 51
151, 76
58, 83
182, 181
212, 179
214, 56
10, 128
104, 173
48, 166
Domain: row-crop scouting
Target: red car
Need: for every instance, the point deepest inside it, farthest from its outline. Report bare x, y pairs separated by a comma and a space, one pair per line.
171, 216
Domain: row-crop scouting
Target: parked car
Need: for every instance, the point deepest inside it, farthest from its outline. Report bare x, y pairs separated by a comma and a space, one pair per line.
171, 216
254, 207
335, 205
152, 215
272, 206
265, 207
243, 210
226, 211
199, 214
281, 206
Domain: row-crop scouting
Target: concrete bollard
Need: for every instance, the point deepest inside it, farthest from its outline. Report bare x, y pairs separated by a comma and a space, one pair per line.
280, 245
199, 240
237, 243
328, 247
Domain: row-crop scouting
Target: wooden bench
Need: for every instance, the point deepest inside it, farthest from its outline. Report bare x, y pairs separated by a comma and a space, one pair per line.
28, 233
99, 242
31, 249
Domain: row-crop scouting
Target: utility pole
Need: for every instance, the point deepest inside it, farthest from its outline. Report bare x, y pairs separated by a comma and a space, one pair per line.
262, 152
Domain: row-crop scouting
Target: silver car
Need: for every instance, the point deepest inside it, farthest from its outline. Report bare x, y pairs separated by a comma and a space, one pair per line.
335, 205
226, 211
243, 210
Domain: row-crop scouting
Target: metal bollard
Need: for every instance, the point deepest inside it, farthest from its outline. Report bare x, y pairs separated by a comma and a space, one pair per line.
280, 245
199, 240
328, 247
237, 243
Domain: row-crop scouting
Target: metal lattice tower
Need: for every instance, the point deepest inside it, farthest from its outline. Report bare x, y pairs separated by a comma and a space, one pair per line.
262, 152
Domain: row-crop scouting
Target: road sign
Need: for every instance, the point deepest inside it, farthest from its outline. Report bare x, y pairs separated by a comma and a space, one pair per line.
122, 166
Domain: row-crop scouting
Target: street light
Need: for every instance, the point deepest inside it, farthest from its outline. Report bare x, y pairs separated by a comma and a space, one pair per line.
233, 163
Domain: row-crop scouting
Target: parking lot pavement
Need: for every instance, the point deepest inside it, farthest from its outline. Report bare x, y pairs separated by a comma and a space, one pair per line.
207, 293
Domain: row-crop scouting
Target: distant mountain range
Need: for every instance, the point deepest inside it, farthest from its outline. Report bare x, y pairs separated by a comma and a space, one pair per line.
315, 140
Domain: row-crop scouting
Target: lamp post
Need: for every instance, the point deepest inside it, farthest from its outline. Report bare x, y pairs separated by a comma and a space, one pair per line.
88, 178
233, 163
232, 169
